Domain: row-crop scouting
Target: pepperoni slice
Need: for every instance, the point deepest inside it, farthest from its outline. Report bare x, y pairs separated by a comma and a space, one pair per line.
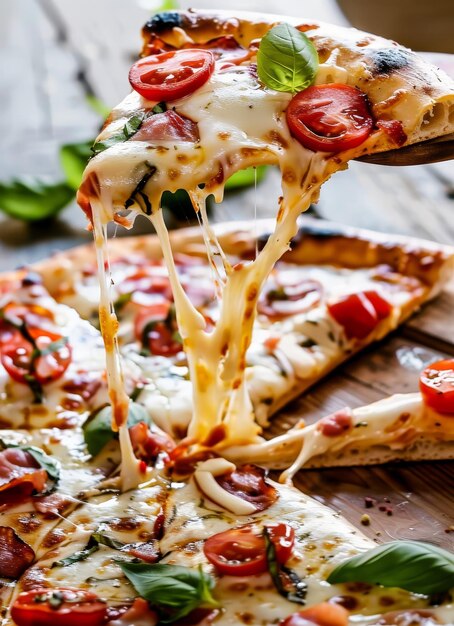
147, 444
51, 506
146, 551
248, 482
18, 468
15, 554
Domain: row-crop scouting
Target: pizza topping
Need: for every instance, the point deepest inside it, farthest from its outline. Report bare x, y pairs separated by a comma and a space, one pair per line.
58, 607
138, 613
15, 554
242, 551
52, 505
242, 490
437, 386
290, 299
159, 335
324, 614
168, 126
286, 59
330, 118
148, 445
172, 590
412, 565
228, 50
248, 483
26, 470
360, 313
171, 75
336, 424
130, 128
394, 130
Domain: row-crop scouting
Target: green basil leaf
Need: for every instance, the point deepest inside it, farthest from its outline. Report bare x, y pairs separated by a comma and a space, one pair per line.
33, 200
74, 158
298, 587
97, 106
98, 427
412, 565
78, 556
101, 539
174, 590
287, 60
45, 461
129, 129
246, 178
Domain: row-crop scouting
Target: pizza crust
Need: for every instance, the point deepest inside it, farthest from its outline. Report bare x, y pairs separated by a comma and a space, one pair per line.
400, 85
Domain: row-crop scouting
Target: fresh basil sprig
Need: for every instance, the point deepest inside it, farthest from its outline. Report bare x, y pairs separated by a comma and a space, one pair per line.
98, 427
412, 565
173, 590
46, 462
298, 591
132, 125
287, 59
33, 200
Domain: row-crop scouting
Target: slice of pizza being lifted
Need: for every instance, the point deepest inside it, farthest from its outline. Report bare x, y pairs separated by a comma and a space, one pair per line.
216, 94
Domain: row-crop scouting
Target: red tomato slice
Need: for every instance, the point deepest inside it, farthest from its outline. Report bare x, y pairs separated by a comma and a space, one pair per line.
359, 313
58, 607
161, 340
153, 313
330, 118
242, 552
20, 362
171, 75
323, 614
437, 386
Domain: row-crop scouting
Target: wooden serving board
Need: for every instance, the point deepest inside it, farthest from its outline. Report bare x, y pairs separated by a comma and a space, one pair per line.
411, 500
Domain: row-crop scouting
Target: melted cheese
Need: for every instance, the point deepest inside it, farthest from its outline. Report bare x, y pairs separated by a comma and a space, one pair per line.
205, 476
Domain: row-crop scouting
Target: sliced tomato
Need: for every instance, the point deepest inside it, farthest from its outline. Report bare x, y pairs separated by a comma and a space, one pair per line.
21, 360
248, 482
330, 118
58, 607
360, 313
156, 312
282, 300
171, 75
323, 614
242, 551
437, 386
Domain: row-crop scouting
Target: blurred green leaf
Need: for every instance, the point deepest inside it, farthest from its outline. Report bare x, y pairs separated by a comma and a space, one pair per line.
246, 178
74, 158
32, 200
98, 106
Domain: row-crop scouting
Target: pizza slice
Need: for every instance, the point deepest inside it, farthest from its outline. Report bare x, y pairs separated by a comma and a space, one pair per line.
333, 293
308, 98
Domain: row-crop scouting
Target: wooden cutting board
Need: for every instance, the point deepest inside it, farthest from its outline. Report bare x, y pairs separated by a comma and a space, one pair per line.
411, 500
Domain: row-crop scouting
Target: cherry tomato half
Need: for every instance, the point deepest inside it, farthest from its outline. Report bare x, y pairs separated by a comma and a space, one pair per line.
242, 552
359, 313
323, 614
437, 386
330, 118
171, 75
19, 360
58, 607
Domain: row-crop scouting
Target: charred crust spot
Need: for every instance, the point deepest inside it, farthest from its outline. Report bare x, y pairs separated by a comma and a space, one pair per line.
163, 21
387, 61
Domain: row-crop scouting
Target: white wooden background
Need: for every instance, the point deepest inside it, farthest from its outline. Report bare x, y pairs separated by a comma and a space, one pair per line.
55, 51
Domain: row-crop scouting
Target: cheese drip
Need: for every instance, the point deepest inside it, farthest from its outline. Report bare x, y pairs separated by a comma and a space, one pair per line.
130, 475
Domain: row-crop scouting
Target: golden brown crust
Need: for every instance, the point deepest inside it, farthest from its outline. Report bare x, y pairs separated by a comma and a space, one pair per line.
400, 85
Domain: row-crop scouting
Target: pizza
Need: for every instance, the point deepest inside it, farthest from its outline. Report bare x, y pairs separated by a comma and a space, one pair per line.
135, 489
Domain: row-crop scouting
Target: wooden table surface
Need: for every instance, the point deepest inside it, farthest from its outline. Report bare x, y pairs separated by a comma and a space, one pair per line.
55, 52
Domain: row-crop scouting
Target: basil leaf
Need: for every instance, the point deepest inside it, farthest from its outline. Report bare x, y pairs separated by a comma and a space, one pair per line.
279, 572
130, 128
78, 556
74, 158
98, 427
246, 178
33, 200
104, 540
45, 461
286, 59
412, 565
174, 590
